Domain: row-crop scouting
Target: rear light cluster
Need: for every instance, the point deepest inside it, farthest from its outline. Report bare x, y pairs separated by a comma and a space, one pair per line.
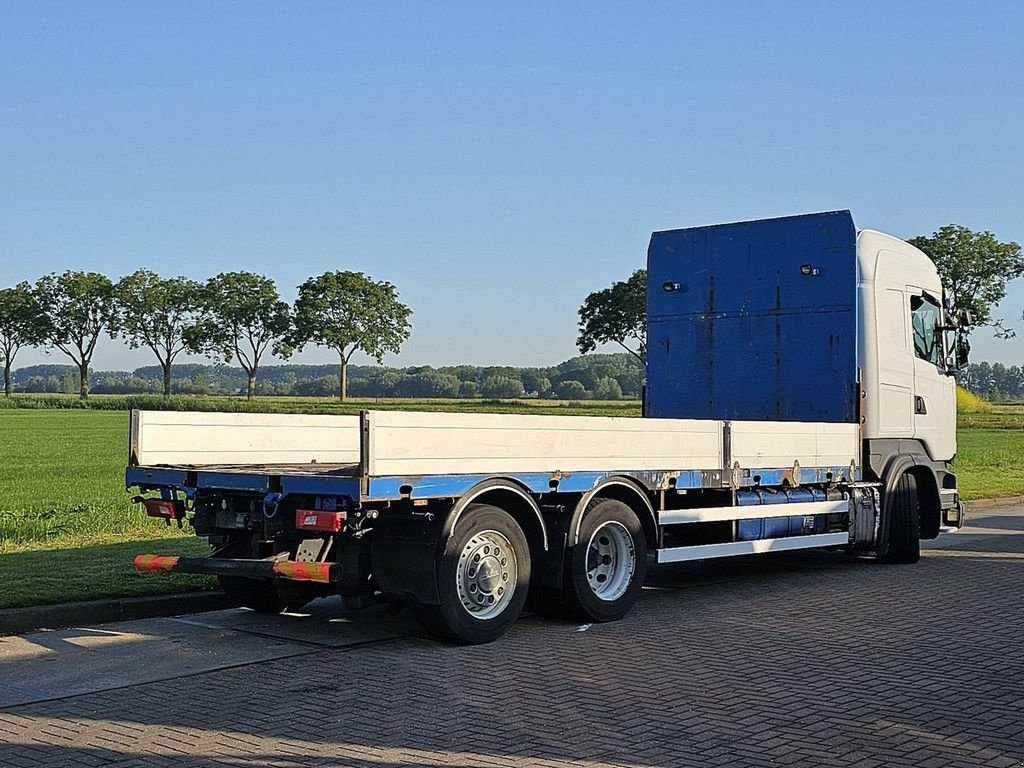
319, 520
167, 509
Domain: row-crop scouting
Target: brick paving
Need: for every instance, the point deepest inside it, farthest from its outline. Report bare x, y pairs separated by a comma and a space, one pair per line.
807, 660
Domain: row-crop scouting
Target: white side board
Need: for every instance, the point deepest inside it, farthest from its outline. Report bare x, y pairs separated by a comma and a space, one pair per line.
778, 444
191, 438
409, 443
406, 443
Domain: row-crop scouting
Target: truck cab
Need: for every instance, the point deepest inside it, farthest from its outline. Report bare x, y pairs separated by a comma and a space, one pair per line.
908, 356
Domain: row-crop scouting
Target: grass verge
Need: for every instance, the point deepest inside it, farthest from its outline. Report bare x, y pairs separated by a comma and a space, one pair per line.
92, 569
990, 462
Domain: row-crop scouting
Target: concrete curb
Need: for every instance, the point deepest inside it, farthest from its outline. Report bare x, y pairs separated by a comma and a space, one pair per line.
1001, 501
17, 620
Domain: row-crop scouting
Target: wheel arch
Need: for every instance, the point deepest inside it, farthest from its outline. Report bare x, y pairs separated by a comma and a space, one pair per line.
629, 492
510, 496
929, 499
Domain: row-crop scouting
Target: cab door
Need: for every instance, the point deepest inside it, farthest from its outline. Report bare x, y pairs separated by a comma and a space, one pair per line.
934, 391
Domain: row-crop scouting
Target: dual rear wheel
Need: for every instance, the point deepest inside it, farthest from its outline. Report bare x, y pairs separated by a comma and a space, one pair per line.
483, 574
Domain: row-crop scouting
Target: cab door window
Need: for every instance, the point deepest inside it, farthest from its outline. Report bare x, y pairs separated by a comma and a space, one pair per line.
925, 320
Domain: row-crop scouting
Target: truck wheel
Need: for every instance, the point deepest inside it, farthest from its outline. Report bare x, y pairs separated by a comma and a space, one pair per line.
482, 578
904, 544
606, 568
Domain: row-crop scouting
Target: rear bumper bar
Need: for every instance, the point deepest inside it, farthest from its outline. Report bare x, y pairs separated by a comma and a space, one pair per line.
250, 569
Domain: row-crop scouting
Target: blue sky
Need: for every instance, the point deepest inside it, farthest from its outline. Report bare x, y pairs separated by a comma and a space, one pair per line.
496, 163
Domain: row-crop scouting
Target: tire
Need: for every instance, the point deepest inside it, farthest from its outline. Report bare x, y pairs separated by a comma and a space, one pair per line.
904, 544
606, 568
479, 604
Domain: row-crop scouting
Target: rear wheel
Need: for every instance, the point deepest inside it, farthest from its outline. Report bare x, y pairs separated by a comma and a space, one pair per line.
904, 544
482, 578
605, 569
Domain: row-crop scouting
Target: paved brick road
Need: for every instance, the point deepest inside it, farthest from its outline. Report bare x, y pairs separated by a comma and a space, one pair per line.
807, 660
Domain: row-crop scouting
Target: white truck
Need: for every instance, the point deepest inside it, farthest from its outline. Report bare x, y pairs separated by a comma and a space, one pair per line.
799, 394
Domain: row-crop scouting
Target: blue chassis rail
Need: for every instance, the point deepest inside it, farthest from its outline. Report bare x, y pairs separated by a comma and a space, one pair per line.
363, 490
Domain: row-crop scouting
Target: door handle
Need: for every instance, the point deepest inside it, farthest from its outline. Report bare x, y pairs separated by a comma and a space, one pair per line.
919, 406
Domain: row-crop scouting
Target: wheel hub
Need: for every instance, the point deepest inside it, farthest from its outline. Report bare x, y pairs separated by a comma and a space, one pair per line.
486, 574
611, 561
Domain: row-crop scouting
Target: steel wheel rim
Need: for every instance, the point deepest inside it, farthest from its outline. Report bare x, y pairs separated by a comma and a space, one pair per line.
486, 575
611, 561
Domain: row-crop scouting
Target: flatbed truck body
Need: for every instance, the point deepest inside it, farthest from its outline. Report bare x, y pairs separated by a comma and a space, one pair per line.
798, 395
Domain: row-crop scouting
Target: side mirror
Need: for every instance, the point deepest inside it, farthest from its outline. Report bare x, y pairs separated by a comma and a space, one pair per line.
963, 351
965, 319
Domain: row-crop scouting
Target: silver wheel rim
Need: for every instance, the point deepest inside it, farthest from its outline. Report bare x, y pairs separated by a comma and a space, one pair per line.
487, 573
611, 561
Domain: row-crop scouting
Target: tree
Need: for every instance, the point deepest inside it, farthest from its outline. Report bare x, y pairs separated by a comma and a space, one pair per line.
608, 389
616, 315
974, 267
534, 380
570, 390
631, 381
242, 318
495, 387
22, 324
349, 312
78, 307
157, 312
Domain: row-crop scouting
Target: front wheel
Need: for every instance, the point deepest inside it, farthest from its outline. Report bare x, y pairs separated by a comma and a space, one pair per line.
482, 576
904, 542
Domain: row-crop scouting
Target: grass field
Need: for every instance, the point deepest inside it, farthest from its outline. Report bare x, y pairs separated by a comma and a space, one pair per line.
316, 404
68, 531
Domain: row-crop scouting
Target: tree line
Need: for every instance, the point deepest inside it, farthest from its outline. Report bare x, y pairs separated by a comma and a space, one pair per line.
240, 316
588, 377
234, 316
995, 382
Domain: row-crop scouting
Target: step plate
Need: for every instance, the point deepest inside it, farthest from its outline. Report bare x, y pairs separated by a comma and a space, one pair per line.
732, 549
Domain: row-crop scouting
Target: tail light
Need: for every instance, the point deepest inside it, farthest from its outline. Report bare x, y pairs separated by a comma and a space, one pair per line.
319, 520
168, 509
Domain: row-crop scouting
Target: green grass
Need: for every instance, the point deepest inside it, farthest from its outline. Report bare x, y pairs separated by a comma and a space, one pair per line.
68, 531
63, 477
990, 462
91, 569
315, 404
1001, 417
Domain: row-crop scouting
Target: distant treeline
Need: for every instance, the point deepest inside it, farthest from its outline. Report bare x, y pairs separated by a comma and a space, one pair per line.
995, 382
588, 377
